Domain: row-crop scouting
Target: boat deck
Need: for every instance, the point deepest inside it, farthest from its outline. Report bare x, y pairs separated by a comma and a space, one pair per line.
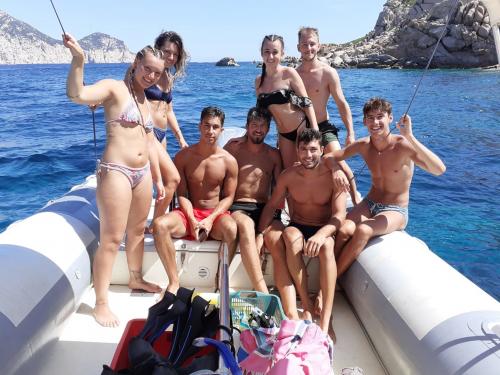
84, 346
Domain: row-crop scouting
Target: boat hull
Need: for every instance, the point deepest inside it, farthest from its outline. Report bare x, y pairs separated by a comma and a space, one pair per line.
44, 271
422, 316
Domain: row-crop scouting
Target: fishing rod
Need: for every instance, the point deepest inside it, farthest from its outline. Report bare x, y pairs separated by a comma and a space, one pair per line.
92, 108
443, 33
57, 15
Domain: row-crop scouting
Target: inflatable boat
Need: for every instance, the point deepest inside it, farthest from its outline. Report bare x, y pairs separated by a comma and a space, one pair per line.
400, 308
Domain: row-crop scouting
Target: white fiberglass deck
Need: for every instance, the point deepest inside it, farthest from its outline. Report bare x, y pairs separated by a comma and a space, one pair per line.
84, 346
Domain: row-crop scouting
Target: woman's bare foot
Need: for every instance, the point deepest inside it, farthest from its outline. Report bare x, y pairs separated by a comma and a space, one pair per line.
104, 316
137, 282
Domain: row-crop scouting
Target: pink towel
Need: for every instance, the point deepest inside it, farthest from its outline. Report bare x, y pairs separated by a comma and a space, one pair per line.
300, 347
258, 344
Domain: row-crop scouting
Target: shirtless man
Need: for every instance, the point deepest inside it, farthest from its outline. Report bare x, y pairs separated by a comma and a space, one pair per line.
391, 160
317, 215
206, 190
321, 81
259, 164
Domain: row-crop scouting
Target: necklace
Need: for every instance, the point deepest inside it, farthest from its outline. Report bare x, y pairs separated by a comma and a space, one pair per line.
380, 152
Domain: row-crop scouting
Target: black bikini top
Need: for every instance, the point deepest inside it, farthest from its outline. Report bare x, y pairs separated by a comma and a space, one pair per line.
155, 93
282, 96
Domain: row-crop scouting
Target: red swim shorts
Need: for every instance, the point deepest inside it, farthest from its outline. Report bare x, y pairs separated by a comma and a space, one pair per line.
199, 215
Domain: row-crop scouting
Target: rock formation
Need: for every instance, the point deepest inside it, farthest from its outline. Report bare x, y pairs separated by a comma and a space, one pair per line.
21, 43
406, 33
227, 61
102, 48
291, 61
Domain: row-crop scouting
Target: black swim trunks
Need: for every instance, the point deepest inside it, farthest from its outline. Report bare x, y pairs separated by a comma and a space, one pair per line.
307, 230
329, 132
253, 210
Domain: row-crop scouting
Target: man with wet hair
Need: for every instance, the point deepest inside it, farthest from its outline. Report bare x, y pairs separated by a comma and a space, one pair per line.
318, 212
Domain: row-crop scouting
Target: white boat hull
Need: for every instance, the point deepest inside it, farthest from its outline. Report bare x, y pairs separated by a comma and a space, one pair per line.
421, 315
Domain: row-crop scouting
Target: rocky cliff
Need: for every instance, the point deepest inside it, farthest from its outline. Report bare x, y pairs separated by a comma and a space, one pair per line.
21, 43
406, 33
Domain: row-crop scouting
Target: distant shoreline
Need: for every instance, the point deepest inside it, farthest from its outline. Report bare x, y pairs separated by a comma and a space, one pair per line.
493, 67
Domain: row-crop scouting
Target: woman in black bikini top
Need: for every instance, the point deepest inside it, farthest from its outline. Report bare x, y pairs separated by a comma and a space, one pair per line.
281, 90
175, 56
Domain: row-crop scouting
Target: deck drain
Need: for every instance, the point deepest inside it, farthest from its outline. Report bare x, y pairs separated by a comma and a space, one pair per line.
203, 272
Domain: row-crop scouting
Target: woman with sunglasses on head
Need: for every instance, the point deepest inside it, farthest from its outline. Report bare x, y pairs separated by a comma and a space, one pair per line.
281, 90
124, 183
175, 56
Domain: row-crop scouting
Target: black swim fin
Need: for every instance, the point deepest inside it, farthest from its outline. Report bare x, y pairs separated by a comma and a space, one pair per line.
167, 318
142, 357
208, 362
164, 370
185, 295
197, 324
209, 325
155, 310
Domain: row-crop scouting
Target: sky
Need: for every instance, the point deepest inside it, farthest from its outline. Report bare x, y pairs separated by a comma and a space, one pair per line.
211, 29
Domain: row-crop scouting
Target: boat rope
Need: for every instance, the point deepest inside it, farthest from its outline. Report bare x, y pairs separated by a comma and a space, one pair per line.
443, 33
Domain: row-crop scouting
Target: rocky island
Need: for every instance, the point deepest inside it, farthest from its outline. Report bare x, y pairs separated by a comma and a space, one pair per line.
227, 61
21, 43
404, 36
406, 33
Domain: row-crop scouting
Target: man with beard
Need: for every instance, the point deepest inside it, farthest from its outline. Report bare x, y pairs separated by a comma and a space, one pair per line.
258, 166
318, 212
206, 190
321, 82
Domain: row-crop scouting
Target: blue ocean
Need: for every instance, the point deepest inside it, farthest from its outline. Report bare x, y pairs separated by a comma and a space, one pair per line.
47, 146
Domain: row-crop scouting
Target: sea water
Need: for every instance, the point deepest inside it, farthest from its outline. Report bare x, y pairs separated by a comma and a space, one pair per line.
47, 144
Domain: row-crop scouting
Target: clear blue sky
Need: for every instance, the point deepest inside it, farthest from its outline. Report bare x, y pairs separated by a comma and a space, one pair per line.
211, 29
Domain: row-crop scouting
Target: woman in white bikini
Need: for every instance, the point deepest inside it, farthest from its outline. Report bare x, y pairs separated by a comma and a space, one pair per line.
124, 183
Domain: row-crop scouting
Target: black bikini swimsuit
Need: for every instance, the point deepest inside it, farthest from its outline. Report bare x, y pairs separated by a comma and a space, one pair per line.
155, 93
284, 96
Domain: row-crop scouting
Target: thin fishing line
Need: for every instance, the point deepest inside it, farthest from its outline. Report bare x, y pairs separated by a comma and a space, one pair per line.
443, 33
93, 125
92, 108
57, 15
